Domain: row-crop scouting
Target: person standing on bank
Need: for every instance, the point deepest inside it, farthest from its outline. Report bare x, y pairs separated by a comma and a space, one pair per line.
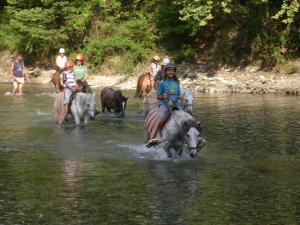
17, 71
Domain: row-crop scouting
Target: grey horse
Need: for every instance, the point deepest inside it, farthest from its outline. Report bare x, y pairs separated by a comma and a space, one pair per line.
83, 107
182, 128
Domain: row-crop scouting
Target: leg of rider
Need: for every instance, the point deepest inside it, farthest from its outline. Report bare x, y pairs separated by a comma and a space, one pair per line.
162, 116
67, 95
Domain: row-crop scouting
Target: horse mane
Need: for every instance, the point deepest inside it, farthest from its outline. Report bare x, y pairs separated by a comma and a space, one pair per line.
186, 122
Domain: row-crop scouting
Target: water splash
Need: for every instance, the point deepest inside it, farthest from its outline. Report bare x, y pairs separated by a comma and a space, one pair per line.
42, 113
155, 153
50, 94
9, 93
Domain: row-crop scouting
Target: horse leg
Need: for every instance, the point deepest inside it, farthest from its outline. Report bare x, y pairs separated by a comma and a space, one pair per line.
86, 119
179, 148
167, 149
77, 120
103, 108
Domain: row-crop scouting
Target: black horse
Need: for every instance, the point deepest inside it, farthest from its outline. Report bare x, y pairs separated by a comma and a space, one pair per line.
111, 99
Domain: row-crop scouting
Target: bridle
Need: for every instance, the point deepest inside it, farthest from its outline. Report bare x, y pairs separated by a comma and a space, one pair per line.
184, 106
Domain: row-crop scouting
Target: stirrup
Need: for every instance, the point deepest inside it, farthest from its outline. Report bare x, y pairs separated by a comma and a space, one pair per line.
152, 142
68, 116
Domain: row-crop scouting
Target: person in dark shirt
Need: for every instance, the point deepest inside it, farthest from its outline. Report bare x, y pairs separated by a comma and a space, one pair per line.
17, 72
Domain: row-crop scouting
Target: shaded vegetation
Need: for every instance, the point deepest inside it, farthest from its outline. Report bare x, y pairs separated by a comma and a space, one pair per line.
228, 32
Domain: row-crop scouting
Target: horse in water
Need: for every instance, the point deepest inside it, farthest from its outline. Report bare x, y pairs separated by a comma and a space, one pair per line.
111, 99
55, 79
82, 107
150, 101
144, 85
82, 84
180, 128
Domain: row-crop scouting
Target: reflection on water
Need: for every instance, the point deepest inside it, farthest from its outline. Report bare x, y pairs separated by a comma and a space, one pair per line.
103, 174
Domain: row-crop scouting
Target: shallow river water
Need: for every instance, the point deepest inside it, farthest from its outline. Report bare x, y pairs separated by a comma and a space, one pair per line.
248, 173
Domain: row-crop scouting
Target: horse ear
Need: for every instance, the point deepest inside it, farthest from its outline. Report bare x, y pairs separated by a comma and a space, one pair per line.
199, 126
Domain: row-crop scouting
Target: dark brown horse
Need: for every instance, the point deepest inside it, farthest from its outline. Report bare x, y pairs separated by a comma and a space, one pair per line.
144, 85
111, 99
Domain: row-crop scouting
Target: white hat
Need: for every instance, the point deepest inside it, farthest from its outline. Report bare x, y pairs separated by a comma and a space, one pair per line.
61, 51
166, 61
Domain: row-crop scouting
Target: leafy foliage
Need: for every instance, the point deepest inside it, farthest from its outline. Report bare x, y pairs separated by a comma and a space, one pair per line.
226, 32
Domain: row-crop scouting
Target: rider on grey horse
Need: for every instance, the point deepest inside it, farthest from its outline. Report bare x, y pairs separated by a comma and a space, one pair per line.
168, 94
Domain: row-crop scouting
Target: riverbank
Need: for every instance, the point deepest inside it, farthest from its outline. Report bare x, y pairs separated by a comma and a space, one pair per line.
198, 78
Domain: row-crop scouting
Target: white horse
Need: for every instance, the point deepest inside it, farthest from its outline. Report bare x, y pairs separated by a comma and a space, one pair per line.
182, 128
83, 107
150, 101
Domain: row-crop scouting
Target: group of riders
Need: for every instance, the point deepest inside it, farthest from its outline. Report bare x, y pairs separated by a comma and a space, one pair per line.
71, 77
167, 87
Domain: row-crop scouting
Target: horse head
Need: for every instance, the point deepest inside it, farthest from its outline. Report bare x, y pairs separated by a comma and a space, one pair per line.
187, 101
192, 137
90, 107
120, 103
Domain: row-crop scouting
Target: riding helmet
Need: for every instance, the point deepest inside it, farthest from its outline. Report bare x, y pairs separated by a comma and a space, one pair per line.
156, 58
61, 51
166, 61
68, 64
169, 66
79, 57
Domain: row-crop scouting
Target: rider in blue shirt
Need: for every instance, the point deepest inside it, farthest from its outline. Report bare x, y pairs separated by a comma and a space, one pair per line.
168, 93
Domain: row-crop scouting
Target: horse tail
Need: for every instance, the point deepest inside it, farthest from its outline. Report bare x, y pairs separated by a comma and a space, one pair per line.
137, 90
59, 108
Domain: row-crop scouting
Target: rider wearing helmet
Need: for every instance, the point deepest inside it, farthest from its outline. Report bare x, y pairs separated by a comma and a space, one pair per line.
154, 66
160, 74
81, 74
61, 59
80, 71
168, 93
69, 83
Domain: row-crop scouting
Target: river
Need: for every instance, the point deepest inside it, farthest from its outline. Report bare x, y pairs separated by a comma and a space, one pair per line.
103, 174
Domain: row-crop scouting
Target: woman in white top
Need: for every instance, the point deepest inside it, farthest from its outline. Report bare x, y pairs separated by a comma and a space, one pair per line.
61, 59
154, 65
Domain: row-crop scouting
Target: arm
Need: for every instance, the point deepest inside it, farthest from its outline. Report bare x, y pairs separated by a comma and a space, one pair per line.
25, 73
86, 75
160, 91
11, 71
180, 96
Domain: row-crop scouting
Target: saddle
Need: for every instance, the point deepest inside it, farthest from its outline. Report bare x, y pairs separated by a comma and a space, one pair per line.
83, 86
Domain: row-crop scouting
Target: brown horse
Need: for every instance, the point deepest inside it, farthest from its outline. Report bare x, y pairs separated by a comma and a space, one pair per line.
111, 99
144, 85
59, 110
82, 85
55, 79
